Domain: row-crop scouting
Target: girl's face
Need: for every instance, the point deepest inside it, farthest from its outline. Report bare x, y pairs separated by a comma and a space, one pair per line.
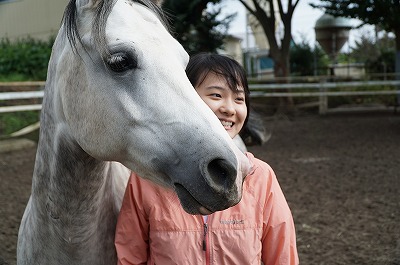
229, 106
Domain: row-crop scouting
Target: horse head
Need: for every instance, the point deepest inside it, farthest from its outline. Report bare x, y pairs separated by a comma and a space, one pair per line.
123, 95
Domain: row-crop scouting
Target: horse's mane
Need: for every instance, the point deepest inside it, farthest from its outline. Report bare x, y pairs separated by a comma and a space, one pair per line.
103, 10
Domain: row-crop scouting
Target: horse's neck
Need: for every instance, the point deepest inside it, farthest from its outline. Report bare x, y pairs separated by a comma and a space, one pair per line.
66, 171
71, 186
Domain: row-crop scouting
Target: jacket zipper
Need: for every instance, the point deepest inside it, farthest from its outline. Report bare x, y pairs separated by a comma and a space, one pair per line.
205, 226
206, 248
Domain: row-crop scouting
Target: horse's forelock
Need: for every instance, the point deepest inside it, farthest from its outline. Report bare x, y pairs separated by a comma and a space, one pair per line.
103, 10
69, 23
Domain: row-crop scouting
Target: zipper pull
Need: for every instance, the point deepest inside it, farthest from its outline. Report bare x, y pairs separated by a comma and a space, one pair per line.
204, 237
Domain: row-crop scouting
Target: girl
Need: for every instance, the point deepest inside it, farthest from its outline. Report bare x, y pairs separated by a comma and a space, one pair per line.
153, 228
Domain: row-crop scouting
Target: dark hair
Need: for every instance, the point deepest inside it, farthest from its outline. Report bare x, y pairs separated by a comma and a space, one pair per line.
201, 64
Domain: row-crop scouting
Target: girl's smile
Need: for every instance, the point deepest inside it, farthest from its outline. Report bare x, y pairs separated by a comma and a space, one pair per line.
228, 105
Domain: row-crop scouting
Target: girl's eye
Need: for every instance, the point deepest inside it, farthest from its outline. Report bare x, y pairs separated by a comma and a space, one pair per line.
241, 99
216, 95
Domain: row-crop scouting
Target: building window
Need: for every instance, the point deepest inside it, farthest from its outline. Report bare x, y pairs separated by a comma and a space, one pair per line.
265, 63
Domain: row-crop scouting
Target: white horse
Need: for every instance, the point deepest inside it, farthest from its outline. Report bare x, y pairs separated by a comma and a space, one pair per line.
117, 99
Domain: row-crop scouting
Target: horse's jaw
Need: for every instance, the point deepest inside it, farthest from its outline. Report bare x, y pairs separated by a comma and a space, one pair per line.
206, 177
221, 178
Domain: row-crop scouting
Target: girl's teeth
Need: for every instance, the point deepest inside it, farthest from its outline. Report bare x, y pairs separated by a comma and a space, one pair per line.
226, 123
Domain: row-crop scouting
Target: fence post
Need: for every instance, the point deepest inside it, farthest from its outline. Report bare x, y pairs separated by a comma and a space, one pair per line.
323, 98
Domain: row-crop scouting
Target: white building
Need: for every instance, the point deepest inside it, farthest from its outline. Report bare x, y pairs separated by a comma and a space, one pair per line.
39, 19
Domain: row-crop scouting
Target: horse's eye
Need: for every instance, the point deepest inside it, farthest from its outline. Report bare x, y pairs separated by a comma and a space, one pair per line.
121, 62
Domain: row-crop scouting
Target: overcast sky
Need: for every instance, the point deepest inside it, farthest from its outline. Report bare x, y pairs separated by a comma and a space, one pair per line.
303, 22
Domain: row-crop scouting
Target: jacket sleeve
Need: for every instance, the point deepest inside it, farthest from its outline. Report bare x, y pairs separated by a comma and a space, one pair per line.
132, 231
279, 238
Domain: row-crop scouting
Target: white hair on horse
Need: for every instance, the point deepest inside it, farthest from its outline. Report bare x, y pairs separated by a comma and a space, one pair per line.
117, 99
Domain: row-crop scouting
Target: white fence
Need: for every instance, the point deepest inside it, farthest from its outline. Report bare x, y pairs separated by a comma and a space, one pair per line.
321, 90
21, 95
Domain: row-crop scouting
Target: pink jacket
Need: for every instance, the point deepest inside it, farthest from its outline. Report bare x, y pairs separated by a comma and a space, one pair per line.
154, 229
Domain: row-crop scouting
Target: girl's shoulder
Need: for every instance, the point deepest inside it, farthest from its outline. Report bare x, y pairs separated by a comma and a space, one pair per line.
259, 166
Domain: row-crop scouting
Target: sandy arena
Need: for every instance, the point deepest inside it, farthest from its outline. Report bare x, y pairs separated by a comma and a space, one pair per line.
340, 175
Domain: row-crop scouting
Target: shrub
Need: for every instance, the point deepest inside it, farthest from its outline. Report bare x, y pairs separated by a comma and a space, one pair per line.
24, 59
12, 122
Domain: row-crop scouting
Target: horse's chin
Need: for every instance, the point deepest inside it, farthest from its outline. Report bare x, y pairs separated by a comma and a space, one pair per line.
189, 203
192, 206
204, 211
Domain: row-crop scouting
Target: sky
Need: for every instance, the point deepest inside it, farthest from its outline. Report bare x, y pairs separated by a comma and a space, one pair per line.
303, 22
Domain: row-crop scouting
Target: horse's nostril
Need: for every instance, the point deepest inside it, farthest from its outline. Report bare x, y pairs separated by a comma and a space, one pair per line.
221, 174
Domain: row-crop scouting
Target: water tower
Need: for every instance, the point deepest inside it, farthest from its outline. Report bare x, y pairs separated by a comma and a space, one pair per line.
332, 33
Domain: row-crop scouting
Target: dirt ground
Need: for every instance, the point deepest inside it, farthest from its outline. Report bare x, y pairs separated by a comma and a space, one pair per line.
340, 175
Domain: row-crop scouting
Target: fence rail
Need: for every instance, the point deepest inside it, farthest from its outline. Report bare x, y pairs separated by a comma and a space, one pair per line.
320, 90
21, 95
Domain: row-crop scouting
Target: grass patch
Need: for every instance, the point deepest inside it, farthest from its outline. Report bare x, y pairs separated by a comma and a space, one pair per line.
12, 122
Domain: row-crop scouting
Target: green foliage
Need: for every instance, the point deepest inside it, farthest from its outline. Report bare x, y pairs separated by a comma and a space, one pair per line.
302, 59
22, 60
12, 122
306, 61
197, 27
378, 55
385, 63
13, 77
25, 59
384, 13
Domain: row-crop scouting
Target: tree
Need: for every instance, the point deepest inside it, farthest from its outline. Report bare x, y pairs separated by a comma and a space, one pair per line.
382, 13
197, 27
265, 12
300, 63
307, 61
378, 54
